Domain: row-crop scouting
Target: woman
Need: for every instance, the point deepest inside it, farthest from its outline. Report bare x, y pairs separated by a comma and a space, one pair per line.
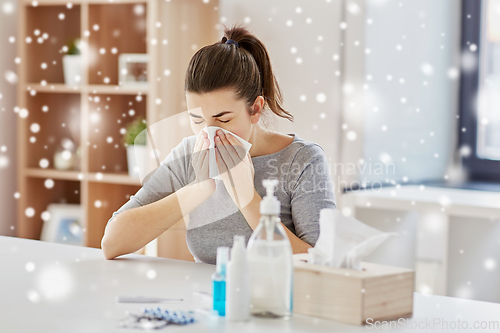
229, 84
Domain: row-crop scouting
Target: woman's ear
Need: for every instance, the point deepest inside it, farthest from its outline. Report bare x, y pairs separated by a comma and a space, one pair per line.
256, 109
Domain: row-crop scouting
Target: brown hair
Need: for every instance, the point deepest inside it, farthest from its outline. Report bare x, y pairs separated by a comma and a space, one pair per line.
246, 68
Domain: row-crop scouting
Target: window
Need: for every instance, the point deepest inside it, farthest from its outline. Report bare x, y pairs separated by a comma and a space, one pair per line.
480, 89
488, 136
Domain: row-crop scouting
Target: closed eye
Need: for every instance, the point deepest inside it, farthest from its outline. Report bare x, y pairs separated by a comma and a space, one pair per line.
195, 116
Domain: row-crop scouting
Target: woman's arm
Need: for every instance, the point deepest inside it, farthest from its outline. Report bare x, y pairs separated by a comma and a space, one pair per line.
251, 212
298, 245
132, 229
170, 202
312, 191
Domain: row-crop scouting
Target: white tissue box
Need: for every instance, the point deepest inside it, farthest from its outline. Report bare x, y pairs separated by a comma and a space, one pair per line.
378, 292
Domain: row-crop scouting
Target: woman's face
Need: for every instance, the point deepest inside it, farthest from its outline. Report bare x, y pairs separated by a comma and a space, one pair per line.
221, 108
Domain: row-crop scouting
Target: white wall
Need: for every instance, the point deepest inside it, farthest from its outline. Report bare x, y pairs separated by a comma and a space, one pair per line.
282, 25
8, 163
428, 32
429, 113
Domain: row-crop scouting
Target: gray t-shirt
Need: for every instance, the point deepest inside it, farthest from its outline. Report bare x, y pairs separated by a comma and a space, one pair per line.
305, 187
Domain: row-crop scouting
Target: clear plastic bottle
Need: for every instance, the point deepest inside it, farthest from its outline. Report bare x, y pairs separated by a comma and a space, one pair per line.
238, 283
270, 262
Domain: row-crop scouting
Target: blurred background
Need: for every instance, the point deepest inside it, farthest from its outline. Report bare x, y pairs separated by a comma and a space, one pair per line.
403, 96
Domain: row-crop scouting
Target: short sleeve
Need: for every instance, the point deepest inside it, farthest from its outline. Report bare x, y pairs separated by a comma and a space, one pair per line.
312, 189
169, 177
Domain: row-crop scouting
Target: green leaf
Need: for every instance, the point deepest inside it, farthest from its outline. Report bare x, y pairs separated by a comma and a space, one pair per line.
135, 132
74, 46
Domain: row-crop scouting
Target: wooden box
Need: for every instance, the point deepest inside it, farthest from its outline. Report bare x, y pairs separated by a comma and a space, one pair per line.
376, 293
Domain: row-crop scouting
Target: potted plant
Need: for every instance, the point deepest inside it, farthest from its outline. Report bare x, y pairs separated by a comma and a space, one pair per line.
72, 63
134, 140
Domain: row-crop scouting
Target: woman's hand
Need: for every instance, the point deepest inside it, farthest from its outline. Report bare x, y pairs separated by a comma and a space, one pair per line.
200, 163
236, 168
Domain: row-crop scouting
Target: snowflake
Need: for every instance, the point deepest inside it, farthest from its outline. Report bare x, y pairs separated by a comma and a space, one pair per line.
321, 98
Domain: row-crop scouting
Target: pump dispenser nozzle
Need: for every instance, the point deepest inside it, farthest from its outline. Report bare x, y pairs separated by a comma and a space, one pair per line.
269, 184
270, 205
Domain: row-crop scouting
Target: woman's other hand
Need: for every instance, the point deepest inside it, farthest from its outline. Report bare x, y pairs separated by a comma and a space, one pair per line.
236, 168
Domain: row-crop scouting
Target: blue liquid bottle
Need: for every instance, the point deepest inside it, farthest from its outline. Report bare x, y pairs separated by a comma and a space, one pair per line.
219, 281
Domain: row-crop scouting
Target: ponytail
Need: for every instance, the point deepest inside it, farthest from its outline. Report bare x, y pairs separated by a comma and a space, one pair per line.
242, 64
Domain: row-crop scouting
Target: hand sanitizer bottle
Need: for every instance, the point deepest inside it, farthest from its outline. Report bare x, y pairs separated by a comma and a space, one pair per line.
238, 283
270, 261
219, 281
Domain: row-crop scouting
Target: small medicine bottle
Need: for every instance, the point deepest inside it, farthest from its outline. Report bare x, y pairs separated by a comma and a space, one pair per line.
219, 281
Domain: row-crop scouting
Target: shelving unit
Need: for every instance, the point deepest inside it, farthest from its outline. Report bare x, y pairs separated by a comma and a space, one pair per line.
93, 113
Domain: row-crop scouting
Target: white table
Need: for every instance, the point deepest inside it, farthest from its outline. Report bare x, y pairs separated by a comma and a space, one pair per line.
31, 270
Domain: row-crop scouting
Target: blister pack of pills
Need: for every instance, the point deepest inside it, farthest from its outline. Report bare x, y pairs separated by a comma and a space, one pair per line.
154, 318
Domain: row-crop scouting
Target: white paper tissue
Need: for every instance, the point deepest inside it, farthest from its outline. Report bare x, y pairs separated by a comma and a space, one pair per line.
213, 169
343, 241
